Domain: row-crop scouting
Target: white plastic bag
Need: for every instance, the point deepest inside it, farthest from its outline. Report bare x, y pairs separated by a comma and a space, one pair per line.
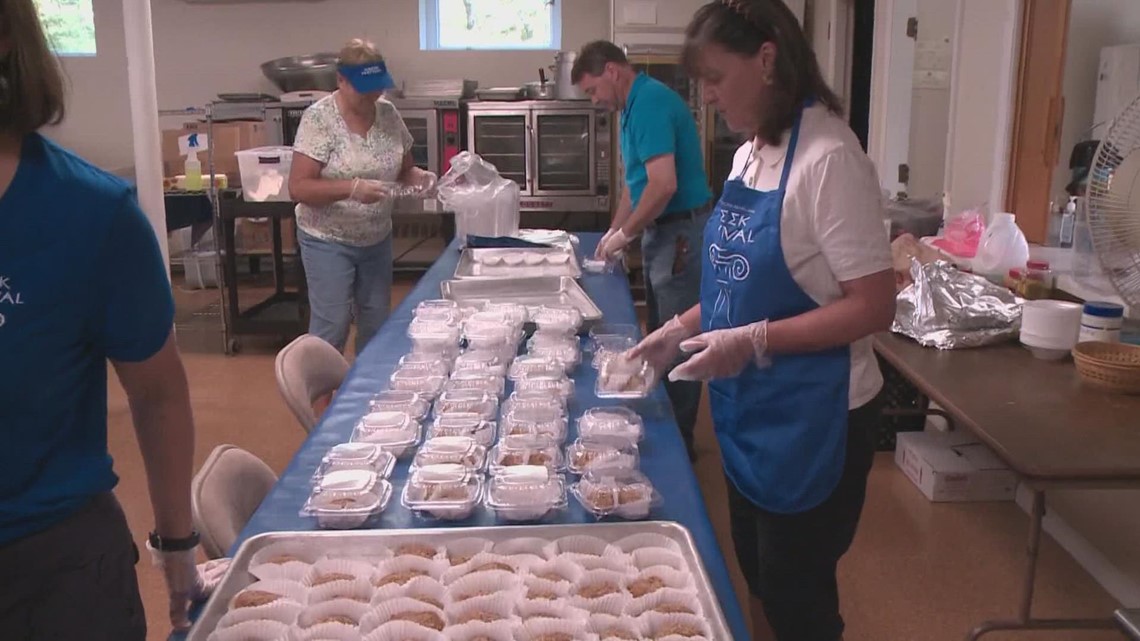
1003, 247
485, 203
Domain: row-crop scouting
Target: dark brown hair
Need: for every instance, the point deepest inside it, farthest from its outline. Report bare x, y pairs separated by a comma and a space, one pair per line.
742, 27
34, 93
594, 57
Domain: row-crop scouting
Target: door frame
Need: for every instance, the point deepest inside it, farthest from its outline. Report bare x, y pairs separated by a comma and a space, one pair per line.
888, 120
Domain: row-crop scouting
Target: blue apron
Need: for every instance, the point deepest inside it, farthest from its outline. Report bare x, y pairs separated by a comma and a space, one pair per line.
782, 429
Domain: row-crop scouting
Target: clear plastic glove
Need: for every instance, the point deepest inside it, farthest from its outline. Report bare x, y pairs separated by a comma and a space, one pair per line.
367, 192
424, 181
614, 247
186, 582
661, 348
723, 353
598, 252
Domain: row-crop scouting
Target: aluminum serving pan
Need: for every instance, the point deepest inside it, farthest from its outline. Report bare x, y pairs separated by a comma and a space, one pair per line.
532, 292
517, 263
367, 542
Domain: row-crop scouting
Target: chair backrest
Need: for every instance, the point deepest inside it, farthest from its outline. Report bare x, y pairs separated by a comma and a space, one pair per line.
225, 493
307, 369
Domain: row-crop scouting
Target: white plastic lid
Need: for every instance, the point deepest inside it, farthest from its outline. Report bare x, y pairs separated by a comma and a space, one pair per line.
348, 481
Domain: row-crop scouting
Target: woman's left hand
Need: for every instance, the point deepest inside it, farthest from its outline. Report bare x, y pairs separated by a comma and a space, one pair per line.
723, 353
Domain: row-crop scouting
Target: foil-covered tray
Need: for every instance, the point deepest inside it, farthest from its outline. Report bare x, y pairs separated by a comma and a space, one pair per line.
517, 263
367, 542
532, 292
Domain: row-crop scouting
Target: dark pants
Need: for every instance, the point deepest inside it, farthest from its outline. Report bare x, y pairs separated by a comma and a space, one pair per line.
74, 581
671, 253
790, 560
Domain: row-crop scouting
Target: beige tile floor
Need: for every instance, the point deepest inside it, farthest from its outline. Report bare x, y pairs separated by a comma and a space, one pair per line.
917, 571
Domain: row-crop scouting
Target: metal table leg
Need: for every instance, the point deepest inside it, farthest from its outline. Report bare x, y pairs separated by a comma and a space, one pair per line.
1025, 620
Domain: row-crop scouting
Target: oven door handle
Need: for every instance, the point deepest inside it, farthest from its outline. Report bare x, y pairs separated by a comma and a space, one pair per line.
532, 157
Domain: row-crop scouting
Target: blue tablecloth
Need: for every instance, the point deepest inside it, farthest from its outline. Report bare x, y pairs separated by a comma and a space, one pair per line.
663, 456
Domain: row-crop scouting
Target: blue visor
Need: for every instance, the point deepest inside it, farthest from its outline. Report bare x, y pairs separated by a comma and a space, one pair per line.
369, 77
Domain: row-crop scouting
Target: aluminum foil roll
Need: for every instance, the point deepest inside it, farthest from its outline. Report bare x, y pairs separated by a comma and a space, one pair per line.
951, 309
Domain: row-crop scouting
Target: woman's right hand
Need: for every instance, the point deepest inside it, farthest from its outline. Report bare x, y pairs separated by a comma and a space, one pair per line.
662, 348
368, 192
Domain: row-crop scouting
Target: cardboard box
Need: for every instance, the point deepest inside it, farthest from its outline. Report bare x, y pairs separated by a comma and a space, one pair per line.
255, 236
228, 137
954, 466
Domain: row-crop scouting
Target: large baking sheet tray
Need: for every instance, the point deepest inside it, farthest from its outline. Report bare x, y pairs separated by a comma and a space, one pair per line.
532, 292
544, 261
365, 542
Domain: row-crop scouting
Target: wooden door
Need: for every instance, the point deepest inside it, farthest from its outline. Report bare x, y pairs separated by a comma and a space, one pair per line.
1038, 114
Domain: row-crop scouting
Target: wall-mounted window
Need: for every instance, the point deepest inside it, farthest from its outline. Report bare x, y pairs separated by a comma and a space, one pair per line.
490, 24
70, 26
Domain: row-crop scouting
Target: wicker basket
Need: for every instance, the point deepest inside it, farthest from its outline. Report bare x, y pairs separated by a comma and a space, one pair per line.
1113, 367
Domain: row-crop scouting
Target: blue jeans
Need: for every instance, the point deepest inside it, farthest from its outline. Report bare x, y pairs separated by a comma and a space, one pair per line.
346, 281
671, 252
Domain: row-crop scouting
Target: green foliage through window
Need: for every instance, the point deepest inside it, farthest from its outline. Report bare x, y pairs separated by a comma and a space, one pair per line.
490, 24
70, 26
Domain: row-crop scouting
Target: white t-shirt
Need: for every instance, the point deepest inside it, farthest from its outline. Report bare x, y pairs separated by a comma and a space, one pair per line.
324, 136
832, 221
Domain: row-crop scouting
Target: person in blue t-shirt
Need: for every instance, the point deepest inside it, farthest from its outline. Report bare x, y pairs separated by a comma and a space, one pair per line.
82, 282
666, 200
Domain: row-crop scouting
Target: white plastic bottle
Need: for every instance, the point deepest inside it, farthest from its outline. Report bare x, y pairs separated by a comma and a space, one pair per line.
193, 172
1003, 247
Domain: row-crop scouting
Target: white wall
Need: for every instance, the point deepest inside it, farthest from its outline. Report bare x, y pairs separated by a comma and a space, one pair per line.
203, 50
1094, 24
981, 103
930, 108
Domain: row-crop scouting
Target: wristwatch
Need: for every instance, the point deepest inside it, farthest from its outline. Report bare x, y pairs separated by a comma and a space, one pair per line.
167, 544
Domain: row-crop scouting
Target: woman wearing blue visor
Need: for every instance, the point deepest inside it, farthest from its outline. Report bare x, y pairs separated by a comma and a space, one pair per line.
797, 277
348, 146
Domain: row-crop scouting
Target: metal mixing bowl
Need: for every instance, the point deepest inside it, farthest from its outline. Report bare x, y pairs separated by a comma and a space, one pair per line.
303, 73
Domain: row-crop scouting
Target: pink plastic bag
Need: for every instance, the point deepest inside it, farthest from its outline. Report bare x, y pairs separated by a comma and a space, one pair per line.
962, 234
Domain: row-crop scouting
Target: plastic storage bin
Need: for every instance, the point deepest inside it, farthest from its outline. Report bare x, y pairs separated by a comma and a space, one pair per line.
265, 173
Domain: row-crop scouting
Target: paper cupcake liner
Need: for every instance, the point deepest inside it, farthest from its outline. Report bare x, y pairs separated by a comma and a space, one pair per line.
613, 628
645, 558
481, 584
522, 545
404, 631
269, 562
344, 567
595, 577
385, 612
355, 590
526, 561
371, 554
634, 510
528, 610
619, 563
581, 544
536, 589
325, 632
537, 628
424, 589
482, 562
283, 611
289, 590
655, 624
414, 548
313, 614
669, 577
461, 551
405, 568
647, 540
501, 605
497, 631
614, 604
663, 598
569, 571
253, 631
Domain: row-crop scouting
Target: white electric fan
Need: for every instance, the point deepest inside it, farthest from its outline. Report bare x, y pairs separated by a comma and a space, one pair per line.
1114, 204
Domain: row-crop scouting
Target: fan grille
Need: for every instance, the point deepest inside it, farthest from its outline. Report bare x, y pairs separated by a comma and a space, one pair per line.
1114, 204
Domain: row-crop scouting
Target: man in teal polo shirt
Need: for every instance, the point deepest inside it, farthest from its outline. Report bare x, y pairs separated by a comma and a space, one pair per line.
667, 197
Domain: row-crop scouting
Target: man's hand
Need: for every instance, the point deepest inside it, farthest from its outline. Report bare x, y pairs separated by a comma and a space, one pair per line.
614, 245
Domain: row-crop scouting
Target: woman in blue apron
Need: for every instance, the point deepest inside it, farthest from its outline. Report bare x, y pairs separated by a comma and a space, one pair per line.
797, 277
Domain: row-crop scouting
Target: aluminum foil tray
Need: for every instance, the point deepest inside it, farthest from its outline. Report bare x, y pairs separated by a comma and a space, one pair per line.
366, 542
496, 263
532, 292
